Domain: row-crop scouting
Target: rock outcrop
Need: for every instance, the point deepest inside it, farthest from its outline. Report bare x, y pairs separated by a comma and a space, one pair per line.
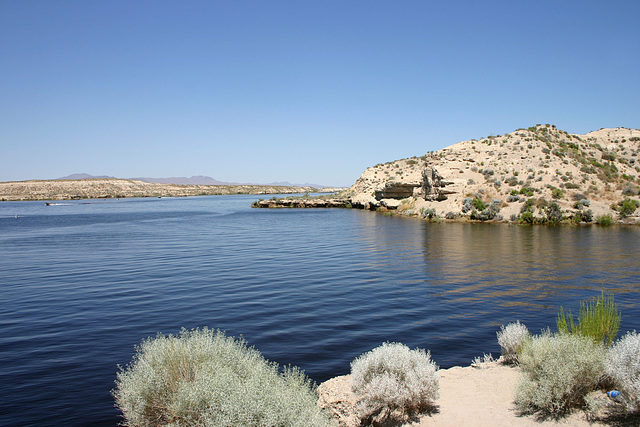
538, 174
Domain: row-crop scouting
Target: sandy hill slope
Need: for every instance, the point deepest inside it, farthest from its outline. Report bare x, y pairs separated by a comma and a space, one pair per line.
529, 175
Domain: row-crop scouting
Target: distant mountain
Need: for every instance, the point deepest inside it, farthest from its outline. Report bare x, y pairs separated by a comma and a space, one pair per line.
194, 180
86, 176
288, 184
181, 180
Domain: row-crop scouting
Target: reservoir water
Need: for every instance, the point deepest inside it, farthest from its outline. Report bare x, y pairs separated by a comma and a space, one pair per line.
82, 283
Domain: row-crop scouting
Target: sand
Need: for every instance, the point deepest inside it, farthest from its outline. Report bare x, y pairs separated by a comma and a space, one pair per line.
469, 396
484, 397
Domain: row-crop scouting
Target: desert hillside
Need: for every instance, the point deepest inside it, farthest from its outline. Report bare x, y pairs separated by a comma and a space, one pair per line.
535, 175
121, 188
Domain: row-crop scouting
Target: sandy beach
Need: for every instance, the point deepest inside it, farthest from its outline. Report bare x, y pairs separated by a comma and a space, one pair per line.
469, 396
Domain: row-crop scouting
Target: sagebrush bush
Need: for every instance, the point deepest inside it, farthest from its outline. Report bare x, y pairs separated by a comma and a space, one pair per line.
558, 372
393, 377
511, 338
205, 378
623, 366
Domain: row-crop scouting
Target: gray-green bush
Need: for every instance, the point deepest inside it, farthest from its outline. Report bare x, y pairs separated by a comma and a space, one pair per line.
393, 377
511, 338
623, 366
202, 377
558, 372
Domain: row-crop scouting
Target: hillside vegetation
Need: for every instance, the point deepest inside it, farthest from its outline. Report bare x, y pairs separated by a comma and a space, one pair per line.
536, 175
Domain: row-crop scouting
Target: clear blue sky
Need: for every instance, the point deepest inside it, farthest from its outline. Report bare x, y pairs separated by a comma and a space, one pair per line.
302, 91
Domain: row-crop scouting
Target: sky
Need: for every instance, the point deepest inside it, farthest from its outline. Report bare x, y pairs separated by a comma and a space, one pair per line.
304, 91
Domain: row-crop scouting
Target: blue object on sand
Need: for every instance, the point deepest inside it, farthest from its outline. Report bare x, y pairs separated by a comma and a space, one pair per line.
613, 394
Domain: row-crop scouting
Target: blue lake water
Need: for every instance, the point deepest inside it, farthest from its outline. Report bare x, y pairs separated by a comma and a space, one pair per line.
82, 284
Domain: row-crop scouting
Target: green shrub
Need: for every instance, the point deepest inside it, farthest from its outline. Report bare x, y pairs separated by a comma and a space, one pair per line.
393, 377
598, 319
527, 218
587, 216
558, 372
479, 204
527, 191
553, 213
205, 378
604, 219
557, 193
626, 207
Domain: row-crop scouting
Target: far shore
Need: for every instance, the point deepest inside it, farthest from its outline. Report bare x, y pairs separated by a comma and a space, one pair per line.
88, 189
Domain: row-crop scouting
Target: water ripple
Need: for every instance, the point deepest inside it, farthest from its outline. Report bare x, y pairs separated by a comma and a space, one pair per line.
83, 284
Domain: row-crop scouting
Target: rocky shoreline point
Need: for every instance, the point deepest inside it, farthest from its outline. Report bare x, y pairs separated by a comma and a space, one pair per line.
536, 175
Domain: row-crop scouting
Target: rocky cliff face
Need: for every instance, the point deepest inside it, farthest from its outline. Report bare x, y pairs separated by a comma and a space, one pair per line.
541, 172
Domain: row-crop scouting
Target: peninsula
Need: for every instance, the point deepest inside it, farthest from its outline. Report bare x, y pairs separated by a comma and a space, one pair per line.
535, 175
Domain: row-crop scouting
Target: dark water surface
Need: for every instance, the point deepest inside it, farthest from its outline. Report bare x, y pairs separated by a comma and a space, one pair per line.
81, 284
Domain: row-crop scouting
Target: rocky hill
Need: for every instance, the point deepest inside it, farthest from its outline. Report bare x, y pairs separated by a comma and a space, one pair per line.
535, 175
121, 188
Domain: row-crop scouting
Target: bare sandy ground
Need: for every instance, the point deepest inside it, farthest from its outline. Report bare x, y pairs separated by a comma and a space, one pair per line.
483, 397
469, 396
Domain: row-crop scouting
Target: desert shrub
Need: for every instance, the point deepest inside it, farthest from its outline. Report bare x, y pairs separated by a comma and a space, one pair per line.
527, 191
553, 213
205, 378
512, 181
478, 204
527, 218
586, 216
626, 207
513, 198
393, 377
598, 319
557, 193
623, 366
429, 213
489, 212
604, 219
467, 204
558, 372
482, 362
451, 215
511, 338
581, 202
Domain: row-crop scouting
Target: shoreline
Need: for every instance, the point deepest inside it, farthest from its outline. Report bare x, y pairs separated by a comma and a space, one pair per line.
348, 203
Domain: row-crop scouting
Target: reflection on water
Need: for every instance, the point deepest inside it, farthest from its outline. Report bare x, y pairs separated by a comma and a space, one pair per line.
530, 267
